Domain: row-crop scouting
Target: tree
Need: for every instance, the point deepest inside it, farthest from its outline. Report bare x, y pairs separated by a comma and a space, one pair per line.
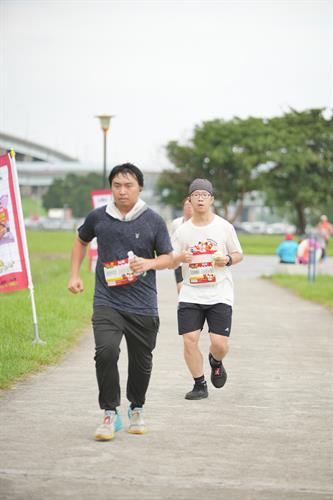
74, 192
289, 158
300, 178
225, 152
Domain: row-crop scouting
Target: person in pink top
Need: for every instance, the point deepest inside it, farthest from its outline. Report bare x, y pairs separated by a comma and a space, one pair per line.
324, 231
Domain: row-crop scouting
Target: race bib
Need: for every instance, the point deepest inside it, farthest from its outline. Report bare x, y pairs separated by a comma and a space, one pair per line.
202, 273
202, 268
118, 272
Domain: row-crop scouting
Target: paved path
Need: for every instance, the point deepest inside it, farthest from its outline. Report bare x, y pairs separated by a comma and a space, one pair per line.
266, 435
259, 265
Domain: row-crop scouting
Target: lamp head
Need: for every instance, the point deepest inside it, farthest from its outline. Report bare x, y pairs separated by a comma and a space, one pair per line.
105, 121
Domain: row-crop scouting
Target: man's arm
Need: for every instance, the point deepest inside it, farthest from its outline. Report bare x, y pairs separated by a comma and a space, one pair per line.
141, 265
186, 257
223, 261
180, 258
75, 284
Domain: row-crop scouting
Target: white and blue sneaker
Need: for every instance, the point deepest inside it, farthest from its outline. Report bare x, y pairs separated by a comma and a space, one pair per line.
137, 424
111, 424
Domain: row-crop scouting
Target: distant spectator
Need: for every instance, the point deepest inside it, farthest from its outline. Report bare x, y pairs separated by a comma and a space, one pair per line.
187, 214
323, 233
287, 250
305, 247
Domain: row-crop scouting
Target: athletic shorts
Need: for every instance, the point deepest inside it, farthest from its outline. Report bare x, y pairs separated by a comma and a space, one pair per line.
179, 275
191, 317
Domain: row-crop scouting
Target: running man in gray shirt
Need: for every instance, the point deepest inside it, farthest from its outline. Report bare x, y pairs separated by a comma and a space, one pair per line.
133, 243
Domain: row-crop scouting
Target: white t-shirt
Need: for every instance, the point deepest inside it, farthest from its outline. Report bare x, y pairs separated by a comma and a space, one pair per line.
175, 224
203, 282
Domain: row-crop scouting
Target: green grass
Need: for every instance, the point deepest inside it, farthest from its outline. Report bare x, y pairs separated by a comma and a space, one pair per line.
259, 244
60, 242
265, 244
320, 291
32, 206
50, 242
62, 316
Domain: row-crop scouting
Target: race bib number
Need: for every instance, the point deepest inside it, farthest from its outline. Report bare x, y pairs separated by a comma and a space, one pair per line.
202, 273
201, 269
118, 272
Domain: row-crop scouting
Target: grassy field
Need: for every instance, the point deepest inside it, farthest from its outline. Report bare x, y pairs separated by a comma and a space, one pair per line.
259, 244
50, 242
265, 244
32, 206
61, 315
61, 242
321, 291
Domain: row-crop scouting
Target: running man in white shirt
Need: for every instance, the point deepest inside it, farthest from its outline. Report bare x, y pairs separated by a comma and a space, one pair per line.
206, 246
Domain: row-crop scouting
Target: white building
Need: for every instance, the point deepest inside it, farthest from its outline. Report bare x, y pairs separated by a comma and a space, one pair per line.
38, 166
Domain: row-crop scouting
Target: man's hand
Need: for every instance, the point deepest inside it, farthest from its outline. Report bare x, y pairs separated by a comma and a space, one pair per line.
75, 285
187, 257
178, 259
140, 265
220, 260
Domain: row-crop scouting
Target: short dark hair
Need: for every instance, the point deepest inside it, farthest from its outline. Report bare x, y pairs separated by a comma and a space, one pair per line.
127, 168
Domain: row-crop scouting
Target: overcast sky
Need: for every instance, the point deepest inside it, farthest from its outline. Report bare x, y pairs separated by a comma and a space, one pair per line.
161, 67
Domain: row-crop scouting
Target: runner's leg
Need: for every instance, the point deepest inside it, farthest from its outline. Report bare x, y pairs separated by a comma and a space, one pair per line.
219, 318
219, 346
108, 332
140, 333
192, 354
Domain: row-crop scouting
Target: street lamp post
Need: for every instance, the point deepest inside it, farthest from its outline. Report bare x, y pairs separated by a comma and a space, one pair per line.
105, 125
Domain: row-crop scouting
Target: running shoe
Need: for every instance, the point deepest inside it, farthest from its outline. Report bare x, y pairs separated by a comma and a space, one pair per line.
111, 424
199, 391
136, 424
218, 374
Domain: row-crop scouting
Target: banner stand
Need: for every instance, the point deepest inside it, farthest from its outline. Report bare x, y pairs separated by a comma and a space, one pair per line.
312, 259
37, 339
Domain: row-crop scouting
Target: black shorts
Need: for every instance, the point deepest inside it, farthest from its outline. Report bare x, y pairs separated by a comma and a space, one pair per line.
179, 275
191, 317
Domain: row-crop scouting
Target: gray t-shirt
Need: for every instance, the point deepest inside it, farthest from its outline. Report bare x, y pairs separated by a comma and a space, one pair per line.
145, 236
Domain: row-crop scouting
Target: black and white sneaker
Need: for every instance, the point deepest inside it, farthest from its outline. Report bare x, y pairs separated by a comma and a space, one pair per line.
199, 391
218, 374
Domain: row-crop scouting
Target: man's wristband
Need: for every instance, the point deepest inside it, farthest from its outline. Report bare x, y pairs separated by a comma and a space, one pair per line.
230, 261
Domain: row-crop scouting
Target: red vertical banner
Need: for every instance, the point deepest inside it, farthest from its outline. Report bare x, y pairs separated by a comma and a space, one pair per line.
98, 199
13, 267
